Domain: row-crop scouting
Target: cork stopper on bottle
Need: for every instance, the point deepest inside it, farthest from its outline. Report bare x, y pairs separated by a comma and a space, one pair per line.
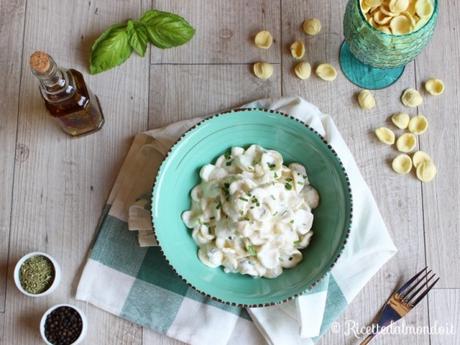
40, 62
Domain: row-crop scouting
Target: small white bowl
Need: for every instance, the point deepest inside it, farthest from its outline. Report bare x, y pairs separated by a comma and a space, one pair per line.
57, 274
84, 323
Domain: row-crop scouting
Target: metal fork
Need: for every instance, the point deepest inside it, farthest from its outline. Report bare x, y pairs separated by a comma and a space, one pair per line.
402, 301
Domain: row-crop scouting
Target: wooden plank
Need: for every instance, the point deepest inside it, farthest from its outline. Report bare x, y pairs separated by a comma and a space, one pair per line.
445, 313
62, 185
224, 31
442, 141
392, 192
11, 22
179, 92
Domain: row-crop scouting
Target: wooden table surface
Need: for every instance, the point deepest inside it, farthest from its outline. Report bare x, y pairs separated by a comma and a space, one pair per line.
53, 188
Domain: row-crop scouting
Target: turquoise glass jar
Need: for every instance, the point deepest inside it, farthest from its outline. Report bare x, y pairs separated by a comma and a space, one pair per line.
373, 59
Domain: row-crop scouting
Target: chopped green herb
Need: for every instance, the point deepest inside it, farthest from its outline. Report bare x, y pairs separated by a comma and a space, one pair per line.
288, 186
271, 166
251, 250
228, 163
296, 243
246, 218
244, 199
226, 185
289, 179
212, 218
271, 196
299, 182
219, 205
291, 222
227, 155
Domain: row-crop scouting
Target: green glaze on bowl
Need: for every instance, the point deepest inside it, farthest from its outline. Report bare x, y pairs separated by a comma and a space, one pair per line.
297, 142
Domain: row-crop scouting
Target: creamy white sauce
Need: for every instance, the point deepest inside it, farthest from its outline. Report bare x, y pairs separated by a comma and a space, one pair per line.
250, 213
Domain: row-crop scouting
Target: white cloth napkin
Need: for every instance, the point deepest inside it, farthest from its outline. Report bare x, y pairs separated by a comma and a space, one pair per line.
368, 248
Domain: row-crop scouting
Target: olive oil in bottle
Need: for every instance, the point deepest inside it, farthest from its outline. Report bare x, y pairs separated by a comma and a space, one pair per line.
66, 96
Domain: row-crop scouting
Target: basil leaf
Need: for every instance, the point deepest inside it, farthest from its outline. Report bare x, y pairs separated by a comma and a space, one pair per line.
166, 30
110, 49
137, 37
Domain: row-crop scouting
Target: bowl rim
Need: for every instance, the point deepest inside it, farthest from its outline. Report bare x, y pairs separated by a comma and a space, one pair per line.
84, 322
347, 226
54, 284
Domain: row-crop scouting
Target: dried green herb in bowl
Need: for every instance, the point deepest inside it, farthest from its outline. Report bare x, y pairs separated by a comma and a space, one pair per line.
36, 274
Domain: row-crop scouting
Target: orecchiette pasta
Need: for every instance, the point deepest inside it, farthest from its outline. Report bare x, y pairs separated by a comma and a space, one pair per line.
397, 17
418, 124
251, 213
434, 87
263, 39
302, 70
402, 164
406, 143
385, 135
312, 26
326, 72
366, 99
411, 98
297, 50
263, 70
400, 120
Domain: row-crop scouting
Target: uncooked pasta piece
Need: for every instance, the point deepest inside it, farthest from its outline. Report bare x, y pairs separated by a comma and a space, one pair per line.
398, 6
434, 87
411, 18
400, 25
385, 135
312, 26
426, 171
326, 72
365, 6
418, 124
380, 18
297, 50
375, 3
419, 157
400, 120
366, 99
424, 8
402, 164
386, 11
302, 70
263, 39
411, 98
263, 70
406, 143
385, 28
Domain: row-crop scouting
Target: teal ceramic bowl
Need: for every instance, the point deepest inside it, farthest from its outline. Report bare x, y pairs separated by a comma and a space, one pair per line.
297, 142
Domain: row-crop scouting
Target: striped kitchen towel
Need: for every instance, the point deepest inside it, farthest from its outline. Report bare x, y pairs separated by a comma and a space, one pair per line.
136, 283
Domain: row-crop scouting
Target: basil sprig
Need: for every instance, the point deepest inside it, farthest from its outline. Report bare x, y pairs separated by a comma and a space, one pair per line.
115, 45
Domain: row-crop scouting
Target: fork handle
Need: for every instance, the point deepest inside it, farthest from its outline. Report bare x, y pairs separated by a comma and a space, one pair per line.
368, 339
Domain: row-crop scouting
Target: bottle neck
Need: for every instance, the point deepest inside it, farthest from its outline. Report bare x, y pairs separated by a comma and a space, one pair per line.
54, 83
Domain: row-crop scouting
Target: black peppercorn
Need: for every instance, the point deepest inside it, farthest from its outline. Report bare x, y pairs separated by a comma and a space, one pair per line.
63, 326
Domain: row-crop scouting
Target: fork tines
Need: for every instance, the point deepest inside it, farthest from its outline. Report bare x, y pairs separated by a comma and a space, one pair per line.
417, 287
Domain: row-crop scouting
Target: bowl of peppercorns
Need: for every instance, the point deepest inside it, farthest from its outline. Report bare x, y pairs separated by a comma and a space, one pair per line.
63, 324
